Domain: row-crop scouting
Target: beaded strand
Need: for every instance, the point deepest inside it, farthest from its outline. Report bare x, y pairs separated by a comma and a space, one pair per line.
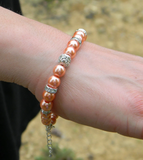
48, 118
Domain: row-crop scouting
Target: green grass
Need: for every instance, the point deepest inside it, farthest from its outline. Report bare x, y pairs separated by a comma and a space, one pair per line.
58, 154
53, 3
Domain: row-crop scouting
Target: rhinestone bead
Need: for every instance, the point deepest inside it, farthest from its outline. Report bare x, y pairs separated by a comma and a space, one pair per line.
81, 34
50, 90
45, 115
84, 31
77, 39
45, 112
65, 60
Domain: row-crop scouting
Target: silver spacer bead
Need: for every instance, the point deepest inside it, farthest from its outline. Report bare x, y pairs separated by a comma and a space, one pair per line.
65, 60
84, 31
50, 90
77, 39
45, 112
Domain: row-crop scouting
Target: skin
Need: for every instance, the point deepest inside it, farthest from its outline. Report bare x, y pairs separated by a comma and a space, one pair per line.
102, 88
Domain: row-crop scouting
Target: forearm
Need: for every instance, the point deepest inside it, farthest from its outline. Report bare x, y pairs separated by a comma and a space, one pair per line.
25, 45
102, 88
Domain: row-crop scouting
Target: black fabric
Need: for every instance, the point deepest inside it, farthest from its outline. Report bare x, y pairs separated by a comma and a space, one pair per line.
13, 5
17, 107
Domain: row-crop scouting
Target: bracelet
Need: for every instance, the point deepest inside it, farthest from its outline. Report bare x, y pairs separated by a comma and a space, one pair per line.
48, 118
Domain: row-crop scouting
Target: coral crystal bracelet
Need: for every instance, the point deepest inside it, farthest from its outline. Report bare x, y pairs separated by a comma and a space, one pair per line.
48, 118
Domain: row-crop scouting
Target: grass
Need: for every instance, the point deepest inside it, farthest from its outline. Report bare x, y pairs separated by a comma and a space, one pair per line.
53, 3
58, 154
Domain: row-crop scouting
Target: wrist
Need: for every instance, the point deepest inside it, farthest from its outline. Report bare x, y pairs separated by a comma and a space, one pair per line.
28, 51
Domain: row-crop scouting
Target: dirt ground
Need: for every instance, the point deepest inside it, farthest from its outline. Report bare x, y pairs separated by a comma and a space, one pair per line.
115, 24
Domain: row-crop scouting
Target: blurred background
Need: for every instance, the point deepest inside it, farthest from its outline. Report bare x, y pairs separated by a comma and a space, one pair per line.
115, 24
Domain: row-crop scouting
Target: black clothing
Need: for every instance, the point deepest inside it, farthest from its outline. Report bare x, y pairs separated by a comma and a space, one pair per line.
17, 107
13, 5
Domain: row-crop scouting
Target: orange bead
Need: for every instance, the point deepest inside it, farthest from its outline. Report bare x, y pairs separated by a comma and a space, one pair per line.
59, 70
48, 96
46, 121
46, 106
53, 120
79, 37
53, 82
48, 116
54, 115
70, 51
82, 34
75, 44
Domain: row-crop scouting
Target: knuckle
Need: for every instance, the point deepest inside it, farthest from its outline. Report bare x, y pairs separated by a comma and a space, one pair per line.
137, 103
135, 123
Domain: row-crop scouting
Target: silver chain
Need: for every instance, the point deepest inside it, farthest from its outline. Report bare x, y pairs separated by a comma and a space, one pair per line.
49, 139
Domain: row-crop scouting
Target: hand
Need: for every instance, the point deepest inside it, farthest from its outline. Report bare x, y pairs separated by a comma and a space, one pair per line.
102, 88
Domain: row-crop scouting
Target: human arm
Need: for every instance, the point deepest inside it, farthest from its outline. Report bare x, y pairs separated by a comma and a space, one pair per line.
102, 88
